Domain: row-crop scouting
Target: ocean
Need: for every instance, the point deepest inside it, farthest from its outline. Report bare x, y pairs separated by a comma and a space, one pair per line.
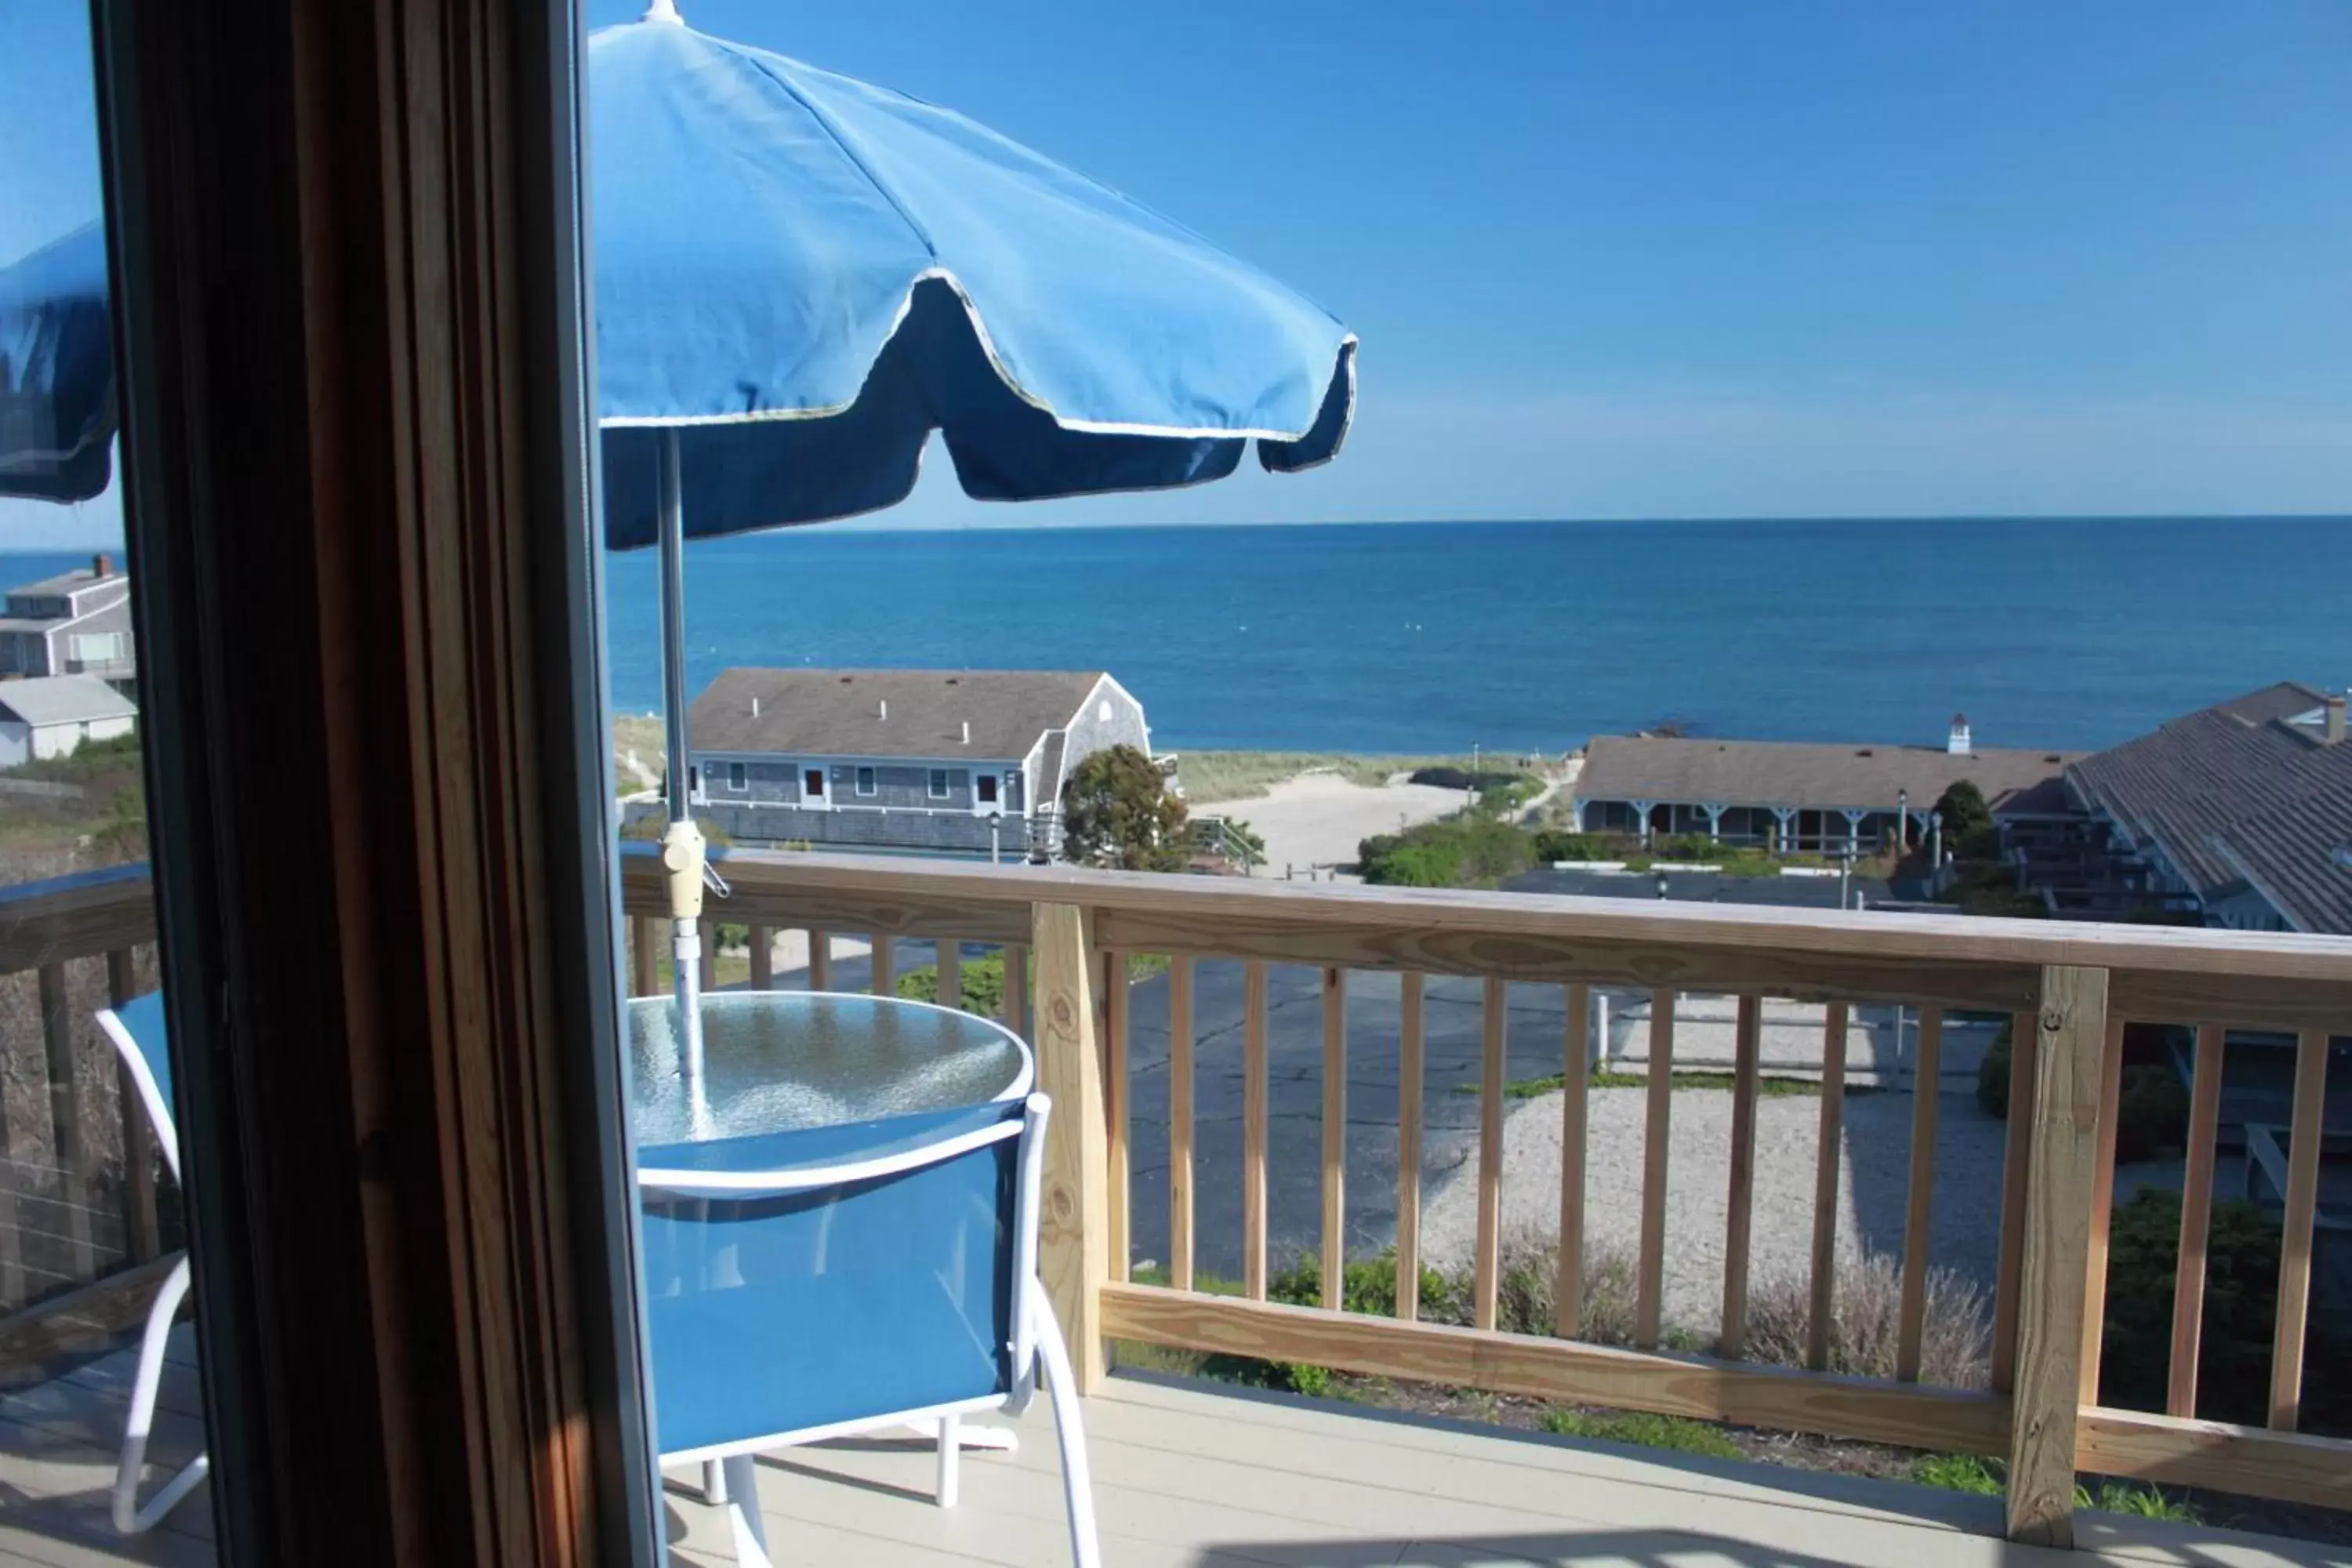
1530, 637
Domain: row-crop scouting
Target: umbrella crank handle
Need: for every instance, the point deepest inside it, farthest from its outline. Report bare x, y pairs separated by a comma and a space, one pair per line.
684, 865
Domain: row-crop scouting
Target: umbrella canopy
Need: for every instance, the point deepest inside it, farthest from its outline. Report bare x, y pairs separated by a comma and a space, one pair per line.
805, 275
56, 371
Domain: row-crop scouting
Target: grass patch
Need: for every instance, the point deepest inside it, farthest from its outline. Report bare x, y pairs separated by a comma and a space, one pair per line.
1989, 1477
1214, 777
1645, 1430
1766, 1089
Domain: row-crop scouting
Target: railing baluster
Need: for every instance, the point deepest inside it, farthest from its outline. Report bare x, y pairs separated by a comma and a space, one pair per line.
949, 961
1179, 1122
1487, 1279
1017, 989
1927, 1076
1818, 1320
1115, 1111
645, 957
763, 958
2062, 1135
1408, 1103
2103, 1202
1650, 1288
65, 1118
1073, 1231
1740, 1212
884, 950
1576, 1057
2017, 1152
140, 1219
1254, 1129
2196, 1215
1335, 1137
820, 960
2294, 1244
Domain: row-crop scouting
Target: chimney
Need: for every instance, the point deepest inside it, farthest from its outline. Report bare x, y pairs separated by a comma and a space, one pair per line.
101, 564
1958, 743
882, 708
967, 725
2331, 723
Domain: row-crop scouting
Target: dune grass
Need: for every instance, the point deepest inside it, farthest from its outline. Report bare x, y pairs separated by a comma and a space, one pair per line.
1211, 777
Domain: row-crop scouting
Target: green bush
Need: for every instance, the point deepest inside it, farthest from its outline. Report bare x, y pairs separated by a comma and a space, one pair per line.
1461, 852
1992, 1073
1553, 844
984, 984
1989, 1477
2233, 1354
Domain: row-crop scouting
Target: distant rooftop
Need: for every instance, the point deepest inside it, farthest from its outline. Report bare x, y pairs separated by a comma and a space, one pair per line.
63, 699
2248, 793
887, 712
101, 569
1811, 776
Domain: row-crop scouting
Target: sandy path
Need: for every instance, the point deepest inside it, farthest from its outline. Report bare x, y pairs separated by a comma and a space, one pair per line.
1318, 819
1873, 1182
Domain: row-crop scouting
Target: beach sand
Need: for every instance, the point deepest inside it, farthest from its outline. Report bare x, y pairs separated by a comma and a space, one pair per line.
1318, 819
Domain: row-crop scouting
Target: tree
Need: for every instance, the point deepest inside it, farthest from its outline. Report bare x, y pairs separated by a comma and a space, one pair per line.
1967, 821
1117, 811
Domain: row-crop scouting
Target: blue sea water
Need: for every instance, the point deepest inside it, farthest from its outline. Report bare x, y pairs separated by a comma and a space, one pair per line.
1522, 637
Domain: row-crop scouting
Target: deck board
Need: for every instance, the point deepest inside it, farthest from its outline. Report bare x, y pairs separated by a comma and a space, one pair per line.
1186, 1476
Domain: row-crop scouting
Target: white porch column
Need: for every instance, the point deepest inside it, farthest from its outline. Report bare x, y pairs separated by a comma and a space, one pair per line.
1853, 816
1642, 811
1715, 810
1786, 816
1600, 1030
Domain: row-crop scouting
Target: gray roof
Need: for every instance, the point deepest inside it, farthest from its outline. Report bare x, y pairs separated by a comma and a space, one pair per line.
63, 700
1787, 772
838, 712
72, 581
2241, 794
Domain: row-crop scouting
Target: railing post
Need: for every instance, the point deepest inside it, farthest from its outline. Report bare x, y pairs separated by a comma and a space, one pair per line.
2061, 1168
1074, 1224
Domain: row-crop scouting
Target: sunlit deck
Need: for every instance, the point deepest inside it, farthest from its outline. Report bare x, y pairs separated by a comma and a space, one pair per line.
1190, 1478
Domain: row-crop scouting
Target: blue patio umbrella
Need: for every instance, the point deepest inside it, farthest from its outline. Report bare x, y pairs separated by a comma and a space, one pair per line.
800, 276
56, 371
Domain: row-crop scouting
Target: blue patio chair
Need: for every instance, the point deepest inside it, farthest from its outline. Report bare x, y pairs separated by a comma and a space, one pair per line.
810, 1284
137, 1029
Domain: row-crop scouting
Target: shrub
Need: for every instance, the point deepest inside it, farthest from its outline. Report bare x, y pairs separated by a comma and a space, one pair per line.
2151, 1113
1967, 818
1640, 1427
1552, 844
1462, 852
2233, 1354
1956, 1337
1484, 779
984, 984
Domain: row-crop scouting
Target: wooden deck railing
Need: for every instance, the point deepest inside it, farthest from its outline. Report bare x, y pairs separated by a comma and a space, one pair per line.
2069, 989
77, 1168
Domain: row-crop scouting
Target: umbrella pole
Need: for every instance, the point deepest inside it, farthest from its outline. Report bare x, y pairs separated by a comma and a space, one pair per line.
681, 843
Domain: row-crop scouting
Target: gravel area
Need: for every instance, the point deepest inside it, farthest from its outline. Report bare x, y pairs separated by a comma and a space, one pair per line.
1873, 1181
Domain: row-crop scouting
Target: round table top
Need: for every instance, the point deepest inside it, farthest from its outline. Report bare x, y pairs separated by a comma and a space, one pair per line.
778, 1061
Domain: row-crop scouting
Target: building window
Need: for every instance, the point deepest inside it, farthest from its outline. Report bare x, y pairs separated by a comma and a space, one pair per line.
812, 783
988, 789
735, 777
939, 784
866, 781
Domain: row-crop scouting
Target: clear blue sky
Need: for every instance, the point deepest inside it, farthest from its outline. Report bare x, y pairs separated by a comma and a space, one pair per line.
1684, 258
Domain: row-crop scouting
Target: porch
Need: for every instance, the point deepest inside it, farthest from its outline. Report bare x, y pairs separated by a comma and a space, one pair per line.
1187, 1477
1192, 1475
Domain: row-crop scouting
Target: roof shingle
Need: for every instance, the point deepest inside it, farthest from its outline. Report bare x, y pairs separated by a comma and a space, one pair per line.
841, 712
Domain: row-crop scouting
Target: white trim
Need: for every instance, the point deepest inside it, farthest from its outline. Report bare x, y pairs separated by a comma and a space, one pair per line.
834, 1429
693, 1183
1344, 351
860, 773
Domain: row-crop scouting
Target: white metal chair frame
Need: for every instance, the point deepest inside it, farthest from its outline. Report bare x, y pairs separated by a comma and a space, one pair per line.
730, 1467
130, 1517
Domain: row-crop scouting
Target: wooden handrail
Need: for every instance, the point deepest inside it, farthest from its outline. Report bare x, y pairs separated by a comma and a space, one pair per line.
2270, 980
